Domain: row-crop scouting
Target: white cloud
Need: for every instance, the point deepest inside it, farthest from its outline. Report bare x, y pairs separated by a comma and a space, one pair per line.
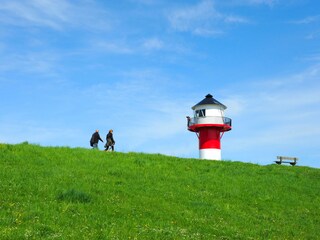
236, 104
269, 3
137, 46
313, 57
313, 35
153, 44
235, 19
37, 13
310, 20
207, 32
118, 47
195, 17
56, 15
278, 115
307, 20
44, 63
266, 2
201, 19
146, 2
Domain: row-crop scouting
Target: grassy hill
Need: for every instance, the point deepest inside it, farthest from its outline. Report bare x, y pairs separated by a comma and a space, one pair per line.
64, 193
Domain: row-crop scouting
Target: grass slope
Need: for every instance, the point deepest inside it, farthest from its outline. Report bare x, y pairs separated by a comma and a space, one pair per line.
64, 193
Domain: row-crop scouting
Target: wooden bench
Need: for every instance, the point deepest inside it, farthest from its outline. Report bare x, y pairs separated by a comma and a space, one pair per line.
282, 159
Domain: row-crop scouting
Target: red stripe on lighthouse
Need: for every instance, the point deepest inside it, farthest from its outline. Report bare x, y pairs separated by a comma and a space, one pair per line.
209, 138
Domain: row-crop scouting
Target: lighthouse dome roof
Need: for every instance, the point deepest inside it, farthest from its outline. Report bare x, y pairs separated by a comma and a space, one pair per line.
209, 100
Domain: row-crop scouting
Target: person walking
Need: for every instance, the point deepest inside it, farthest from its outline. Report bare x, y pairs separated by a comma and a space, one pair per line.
110, 141
95, 139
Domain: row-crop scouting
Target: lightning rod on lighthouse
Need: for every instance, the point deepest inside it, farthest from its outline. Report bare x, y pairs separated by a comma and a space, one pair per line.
209, 123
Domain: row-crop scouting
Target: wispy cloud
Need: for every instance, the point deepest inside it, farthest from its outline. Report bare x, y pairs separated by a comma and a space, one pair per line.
235, 19
36, 13
313, 57
201, 19
313, 35
146, 2
118, 47
307, 20
276, 115
310, 21
42, 63
269, 3
137, 46
153, 44
56, 15
266, 2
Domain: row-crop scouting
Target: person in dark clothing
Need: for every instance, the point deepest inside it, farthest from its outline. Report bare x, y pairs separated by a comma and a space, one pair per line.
95, 139
110, 141
188, 121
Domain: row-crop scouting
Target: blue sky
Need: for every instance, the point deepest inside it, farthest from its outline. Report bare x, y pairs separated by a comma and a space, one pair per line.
138, 66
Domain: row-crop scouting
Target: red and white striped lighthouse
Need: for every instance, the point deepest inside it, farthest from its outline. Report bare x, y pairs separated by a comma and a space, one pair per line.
209, 124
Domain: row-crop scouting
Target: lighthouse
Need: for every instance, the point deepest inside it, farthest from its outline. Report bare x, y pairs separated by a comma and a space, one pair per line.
209, 123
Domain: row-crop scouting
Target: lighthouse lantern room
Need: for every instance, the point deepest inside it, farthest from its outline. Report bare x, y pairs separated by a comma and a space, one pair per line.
209, 123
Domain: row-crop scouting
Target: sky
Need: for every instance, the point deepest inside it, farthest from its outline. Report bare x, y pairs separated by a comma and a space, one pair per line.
69, 67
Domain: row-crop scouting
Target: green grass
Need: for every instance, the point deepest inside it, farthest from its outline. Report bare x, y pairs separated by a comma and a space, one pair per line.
64, 193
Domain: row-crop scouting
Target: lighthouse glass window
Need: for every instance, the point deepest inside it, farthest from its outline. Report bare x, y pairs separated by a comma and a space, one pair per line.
200, 113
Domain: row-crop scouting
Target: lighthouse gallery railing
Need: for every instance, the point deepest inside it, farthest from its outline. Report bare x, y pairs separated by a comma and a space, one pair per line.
210, 120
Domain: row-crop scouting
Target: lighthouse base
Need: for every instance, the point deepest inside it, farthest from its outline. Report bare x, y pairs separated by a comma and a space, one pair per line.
210, 154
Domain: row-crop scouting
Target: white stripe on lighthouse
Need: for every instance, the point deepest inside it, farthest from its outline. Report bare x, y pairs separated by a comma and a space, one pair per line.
210, 154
